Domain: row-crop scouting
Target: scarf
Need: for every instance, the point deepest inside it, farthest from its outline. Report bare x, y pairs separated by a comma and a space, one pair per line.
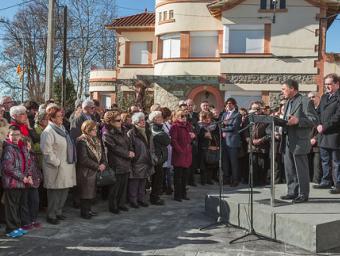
23, 128
93, 145
142, 131
71, 151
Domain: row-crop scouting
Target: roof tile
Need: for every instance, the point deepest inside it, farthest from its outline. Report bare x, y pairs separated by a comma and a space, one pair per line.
144, 19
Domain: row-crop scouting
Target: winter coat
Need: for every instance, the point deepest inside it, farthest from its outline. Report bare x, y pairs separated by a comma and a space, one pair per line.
181, 144
36, 146
36, 170
58, 174
75, 125
117, 146
329, 113
142, 163
86, 170
161, 140
166, 128
15, 165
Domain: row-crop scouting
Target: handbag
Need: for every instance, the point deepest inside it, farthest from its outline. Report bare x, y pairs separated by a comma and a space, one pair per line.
105, 178
212, 156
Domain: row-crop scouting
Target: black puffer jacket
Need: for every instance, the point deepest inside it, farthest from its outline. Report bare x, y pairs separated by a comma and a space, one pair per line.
117, 146
161, 140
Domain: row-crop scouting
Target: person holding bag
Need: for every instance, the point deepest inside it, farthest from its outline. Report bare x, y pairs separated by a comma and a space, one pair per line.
90, 154
119, 153
208, 146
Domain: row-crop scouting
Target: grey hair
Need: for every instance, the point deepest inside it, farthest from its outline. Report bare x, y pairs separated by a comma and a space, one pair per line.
17, 110
154, 114
87, 103
137, 117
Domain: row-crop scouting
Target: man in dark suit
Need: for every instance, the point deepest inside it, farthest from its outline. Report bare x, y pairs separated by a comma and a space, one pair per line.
301, 117
88, 109
231, 142
329, 134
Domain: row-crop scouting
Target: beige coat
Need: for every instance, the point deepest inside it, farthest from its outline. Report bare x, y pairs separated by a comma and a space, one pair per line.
58, 174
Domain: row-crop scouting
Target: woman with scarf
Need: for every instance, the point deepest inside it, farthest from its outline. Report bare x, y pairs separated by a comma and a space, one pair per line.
119, 154
181, 137
59, 157
142, 163
89, 150
208, 143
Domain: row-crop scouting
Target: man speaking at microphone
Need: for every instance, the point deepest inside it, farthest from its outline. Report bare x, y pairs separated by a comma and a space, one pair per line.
301, 117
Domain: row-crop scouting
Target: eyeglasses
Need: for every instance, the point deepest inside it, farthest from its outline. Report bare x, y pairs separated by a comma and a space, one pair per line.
328, 84
117, 120
311, 97
182, 116
94, 129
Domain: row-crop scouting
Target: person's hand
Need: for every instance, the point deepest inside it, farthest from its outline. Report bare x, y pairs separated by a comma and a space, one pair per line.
224, 135
257, 142
207, 135
192, 135
25, 180
30, 180
131, 154
292, 120
313, 141
102, 167
320, 128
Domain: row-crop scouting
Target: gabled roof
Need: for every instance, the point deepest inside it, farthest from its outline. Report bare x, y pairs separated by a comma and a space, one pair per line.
144, 20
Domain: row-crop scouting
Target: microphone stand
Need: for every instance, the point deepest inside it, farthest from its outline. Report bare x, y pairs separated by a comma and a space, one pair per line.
219, 219
251, 231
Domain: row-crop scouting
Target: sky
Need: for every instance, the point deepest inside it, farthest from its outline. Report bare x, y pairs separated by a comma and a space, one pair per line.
130, 7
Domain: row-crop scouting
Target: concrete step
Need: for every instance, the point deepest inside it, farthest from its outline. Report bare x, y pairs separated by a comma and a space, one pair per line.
314, 225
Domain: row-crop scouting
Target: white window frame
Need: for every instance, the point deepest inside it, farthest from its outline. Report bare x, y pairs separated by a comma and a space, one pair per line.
172, 37
226, 34
204, 34
144, 59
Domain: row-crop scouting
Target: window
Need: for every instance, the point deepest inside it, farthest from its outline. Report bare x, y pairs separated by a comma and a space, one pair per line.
159, 16
280, 4
139, 53
171, 46
106, 101
244, 39
165, 15
203, 44
171, 14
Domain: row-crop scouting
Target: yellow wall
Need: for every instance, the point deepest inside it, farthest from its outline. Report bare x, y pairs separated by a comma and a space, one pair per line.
187, 68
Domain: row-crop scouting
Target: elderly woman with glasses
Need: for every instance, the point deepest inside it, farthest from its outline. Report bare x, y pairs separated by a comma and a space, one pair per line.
181, 136
90, 153
59, 157
142, 164
119, 154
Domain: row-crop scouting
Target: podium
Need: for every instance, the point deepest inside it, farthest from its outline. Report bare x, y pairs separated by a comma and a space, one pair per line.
273, 121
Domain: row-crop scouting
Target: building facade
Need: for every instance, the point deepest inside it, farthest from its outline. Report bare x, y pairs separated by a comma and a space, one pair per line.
211, 50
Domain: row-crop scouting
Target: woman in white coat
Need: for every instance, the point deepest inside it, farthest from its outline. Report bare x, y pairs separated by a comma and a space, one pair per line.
59, 157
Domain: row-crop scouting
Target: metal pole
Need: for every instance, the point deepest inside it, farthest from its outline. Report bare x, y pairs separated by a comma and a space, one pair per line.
23, 70
63, 78
272, 199
50, 50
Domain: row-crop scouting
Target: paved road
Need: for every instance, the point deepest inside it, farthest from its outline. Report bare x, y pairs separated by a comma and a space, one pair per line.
172, 229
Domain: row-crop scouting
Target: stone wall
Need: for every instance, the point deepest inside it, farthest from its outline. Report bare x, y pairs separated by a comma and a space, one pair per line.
268, 78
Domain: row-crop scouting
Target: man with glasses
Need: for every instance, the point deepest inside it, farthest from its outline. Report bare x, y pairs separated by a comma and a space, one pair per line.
329, 134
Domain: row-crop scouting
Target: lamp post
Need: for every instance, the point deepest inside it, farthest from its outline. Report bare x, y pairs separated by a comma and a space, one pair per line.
274, 3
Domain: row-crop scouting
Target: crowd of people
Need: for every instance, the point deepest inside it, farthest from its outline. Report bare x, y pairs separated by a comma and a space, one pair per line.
48, 154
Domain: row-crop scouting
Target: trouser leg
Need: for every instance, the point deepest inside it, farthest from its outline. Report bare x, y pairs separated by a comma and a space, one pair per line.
13, 198
133, 190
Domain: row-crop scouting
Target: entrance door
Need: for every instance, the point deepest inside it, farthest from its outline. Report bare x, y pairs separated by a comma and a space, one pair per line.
204, 96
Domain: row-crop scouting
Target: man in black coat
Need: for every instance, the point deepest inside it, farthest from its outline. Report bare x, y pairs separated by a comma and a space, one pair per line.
329, 134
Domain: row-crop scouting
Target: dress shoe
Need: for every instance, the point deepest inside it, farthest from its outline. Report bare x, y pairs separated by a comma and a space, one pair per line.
193, 184
321, 186
115, 211
300, 199
123, 208
210, 183
334, 191
143, 204
178, 199
185, 198
157, 202
52, 221
86, 216
93, 213
134, 205
234, 184
288, 197
61, 217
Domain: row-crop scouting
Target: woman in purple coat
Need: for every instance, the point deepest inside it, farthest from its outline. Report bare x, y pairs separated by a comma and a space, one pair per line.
181, 136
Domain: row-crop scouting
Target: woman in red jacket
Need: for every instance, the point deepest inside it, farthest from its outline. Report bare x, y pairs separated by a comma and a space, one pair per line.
181, 135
